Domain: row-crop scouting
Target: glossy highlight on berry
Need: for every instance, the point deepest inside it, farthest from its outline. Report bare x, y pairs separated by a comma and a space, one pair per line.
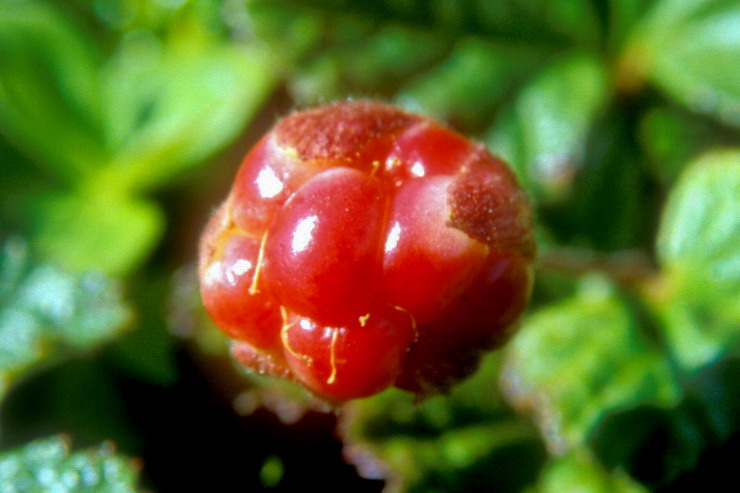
363, 247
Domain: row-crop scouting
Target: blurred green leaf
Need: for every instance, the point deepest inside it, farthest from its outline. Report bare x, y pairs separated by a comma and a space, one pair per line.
698, 245
108, 128
714, 396
467, 440
543, 134
94, 230
654, 444
579, 472
127, 15
46, 313
48, 89
574, 20
623, 16
610, 188
703, 205
156, 107
579, 359
470, 84
525, 20
691, 49
390, 52
81, 396
331, 50
148, 351
19, 180
49, 465
671, 138
454, 60
369, 62
171, 104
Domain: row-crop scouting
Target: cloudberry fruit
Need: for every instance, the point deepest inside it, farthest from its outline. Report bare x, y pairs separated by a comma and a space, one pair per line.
363, 247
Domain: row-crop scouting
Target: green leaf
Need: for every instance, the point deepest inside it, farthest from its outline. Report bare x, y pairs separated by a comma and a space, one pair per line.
690, 49
48, 89
623, 16
524, 20
455, 60
470, 84
148, 351
134, 120
169, 105
653, 443
579, 471
704, 206
698, 246
608, 189
576, 361
575, 20
671, 138
713, 395
81, 396
19, 180
49, 465
543, 134
467, 440
91, 230
46, 313
656, 444
370, 62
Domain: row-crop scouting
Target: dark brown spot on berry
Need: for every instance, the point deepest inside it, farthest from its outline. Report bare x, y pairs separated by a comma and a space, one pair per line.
490, 207
340, 130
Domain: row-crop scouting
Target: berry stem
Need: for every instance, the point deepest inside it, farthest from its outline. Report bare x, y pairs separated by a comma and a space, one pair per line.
627, 267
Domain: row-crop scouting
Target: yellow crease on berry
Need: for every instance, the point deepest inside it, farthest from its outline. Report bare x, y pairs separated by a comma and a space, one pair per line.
286, 341
333, 357
258, 268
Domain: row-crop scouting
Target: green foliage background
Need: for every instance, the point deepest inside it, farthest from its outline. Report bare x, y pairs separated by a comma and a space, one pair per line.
123, 121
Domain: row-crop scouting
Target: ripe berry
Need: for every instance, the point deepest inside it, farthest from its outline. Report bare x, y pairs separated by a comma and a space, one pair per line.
363, 247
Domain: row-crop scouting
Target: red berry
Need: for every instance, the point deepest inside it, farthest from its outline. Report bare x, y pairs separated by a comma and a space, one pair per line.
427, 265
358, 359
324, 248
363, 247
226, 281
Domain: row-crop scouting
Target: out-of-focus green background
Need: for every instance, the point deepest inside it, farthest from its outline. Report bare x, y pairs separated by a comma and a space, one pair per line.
122, 123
